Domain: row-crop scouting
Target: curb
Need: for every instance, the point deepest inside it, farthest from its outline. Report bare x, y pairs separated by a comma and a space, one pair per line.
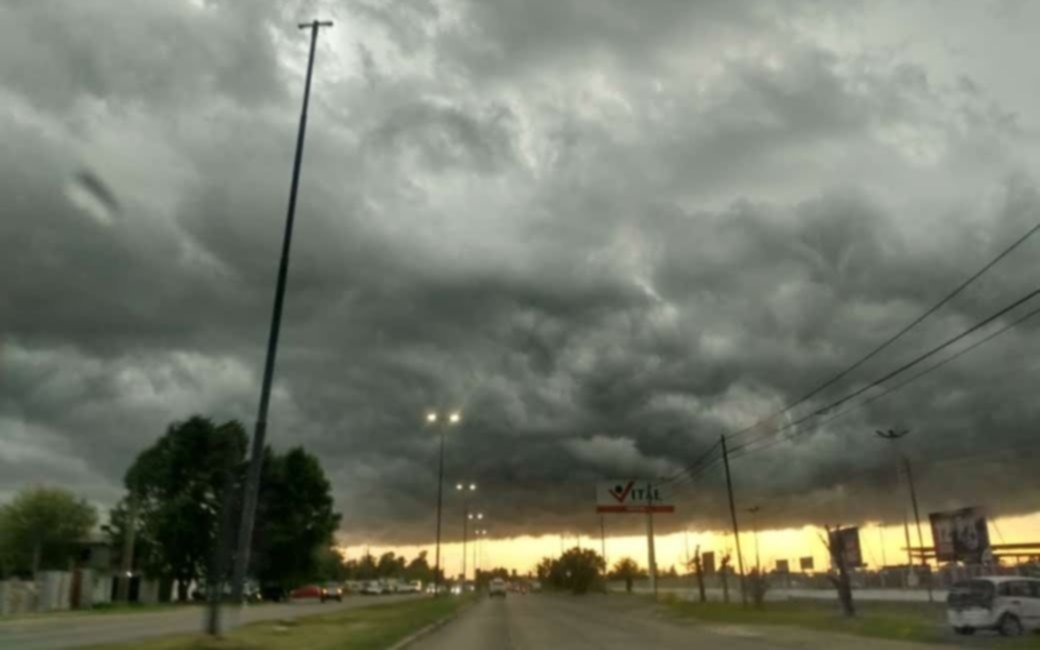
429, 629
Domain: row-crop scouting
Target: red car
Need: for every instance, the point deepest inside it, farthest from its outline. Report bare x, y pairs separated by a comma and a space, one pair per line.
306, 591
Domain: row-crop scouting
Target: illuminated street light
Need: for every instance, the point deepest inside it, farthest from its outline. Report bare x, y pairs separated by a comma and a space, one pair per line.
431, 419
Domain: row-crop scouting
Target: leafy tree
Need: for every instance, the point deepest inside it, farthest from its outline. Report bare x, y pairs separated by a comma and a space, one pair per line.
365, 568
390, 565
295, 520
420, 569
39, 528
329, 564
626, 569
178, 485
577, 570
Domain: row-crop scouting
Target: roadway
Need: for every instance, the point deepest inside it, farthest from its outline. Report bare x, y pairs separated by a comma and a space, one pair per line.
70, 630
537, 622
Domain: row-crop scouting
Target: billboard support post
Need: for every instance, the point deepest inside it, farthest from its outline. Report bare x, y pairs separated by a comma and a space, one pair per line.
650, 551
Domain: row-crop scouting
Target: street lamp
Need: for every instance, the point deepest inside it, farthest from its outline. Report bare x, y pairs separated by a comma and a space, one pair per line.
252, 485
432, 419
893, 436
754, 510
466, 489
480, 535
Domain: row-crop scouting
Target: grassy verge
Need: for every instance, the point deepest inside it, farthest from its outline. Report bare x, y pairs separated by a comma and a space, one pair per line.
903, 621
364, 628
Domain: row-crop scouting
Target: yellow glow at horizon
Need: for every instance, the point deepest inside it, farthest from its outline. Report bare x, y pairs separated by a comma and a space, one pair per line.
880, 545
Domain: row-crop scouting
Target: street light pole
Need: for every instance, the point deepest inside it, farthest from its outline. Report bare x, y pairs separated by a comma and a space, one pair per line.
432, 418
754, 510
469, 515
252, 487
465, 515
893, 436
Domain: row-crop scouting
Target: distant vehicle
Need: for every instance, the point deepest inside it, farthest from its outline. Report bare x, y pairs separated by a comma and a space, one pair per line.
413, 587
372, 588
1008, 604
250, 592
332, 591
306, 591
497, 588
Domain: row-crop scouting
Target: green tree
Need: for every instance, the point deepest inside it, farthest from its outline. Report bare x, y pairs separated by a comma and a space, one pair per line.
295, 519
329, 564
390, 565
178, 484
39, 528
626, 569
577, 570
419, 569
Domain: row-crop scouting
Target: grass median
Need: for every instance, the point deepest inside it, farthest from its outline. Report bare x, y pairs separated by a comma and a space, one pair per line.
364, 628
921, 622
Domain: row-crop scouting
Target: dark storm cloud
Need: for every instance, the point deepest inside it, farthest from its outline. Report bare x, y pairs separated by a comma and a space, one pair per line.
608, 236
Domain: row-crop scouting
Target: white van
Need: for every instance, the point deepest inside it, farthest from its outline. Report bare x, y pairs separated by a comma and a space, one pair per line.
1007, 604
497, 588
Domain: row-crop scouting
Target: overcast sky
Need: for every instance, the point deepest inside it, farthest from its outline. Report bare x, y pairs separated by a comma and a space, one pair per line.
608, 232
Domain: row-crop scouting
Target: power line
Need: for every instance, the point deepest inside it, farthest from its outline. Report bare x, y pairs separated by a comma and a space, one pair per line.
894, 388
892, 339
695, 466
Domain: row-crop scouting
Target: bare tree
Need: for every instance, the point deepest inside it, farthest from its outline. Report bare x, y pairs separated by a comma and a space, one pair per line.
724, 574
835, 543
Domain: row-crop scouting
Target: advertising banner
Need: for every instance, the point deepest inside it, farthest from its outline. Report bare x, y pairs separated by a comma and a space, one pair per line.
960, 535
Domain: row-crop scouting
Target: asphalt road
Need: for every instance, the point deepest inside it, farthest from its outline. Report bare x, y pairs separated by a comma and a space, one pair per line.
537, 622
70, 630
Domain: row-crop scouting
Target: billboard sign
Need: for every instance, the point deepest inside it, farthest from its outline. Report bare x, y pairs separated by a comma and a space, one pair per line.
782, 566
806, 563
960, 535
848, 540
632, 495
708, 563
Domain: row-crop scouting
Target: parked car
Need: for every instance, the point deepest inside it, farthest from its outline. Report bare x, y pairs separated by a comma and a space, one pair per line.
372, 588
497, 587
306, 591
332, 591
250, 592
1008, 604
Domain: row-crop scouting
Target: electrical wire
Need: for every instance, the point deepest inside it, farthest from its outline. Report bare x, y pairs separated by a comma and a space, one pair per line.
696, 465
892, 339
892, 389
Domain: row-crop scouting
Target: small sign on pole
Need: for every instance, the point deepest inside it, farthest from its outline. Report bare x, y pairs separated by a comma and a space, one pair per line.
632, 495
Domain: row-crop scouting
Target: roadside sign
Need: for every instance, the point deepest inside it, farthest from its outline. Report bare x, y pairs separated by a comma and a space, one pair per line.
708, 563
846, 539
632, 495
960, 535
806, 563
782, 566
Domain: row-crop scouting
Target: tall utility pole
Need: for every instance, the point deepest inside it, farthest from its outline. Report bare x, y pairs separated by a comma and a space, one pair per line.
432, 419
252, 487
466, 489
127, 563
651, 551
733, 516
893, 436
